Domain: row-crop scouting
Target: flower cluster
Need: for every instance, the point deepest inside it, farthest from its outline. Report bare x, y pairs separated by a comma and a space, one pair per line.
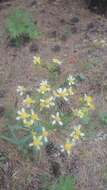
39, 111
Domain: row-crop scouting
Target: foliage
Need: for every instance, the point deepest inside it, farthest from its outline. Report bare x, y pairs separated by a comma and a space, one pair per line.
40, 114
103, 117
20, 26
63, 183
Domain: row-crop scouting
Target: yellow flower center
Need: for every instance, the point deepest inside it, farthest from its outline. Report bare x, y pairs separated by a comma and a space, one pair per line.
45, 133
36, 142
77, 134
46, 103
24, 115
44, 88
34, 117
68, 146
28, 101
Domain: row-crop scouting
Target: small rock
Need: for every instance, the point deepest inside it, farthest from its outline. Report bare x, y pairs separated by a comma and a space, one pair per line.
74, 20
56, 48
34, 47
2, 110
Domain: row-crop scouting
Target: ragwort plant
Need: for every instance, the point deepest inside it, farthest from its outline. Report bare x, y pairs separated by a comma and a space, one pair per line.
40, 115
20, 26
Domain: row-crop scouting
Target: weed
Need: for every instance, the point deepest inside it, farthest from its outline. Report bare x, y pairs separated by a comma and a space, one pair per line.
63, 183
103, 117
20, 26
40, 114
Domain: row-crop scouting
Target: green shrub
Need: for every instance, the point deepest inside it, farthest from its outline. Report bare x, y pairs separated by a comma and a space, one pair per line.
20, 26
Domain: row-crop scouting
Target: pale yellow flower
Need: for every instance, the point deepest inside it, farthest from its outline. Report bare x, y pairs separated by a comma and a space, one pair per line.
28, 123
77, 134
22, 115
37, 142
62, 93
67, 147
34, 116
44, 87
47, 102
89, 101
36, 60
56, 61
71, 80
28, 101
81, 112
21, 90
56, 119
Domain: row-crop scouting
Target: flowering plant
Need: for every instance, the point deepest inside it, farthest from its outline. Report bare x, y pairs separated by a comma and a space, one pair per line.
40, 114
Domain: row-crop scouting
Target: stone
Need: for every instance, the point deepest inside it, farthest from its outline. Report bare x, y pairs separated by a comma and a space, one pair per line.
74, 20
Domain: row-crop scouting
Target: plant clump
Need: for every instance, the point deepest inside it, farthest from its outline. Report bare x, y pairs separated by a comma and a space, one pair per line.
20, 26
39, 113
40, 116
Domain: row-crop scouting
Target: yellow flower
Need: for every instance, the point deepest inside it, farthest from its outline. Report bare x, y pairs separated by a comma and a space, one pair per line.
68, 146
37, 142
34, 116
21, 90
44, 134
71, 80
62, 93
56, 119
77, 134
28, 101
28, 123
89, 101
36, 60
81, 112
22, 114
47, 103
57, 61
44, 87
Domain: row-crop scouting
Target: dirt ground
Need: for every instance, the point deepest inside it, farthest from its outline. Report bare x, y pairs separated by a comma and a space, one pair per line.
69, 32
